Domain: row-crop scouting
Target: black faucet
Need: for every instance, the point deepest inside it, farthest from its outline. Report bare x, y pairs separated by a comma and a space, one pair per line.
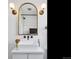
27, 37
24, 36
31, 36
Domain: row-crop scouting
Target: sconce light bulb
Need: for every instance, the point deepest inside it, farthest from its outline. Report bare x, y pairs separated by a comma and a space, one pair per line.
12, 5
43, 6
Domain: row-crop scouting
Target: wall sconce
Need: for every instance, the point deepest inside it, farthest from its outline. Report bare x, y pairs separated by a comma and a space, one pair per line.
14, 12
12, 6
41, 12
43, 6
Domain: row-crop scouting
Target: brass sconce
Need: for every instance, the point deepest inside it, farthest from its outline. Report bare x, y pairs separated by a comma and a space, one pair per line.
43, 6
41, 12
12, 6
14, 12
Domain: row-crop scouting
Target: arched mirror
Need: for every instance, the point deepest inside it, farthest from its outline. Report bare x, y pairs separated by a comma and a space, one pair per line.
28, 19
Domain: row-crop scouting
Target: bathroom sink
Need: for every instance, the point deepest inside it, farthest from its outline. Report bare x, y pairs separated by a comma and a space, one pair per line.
32, 50
28, 44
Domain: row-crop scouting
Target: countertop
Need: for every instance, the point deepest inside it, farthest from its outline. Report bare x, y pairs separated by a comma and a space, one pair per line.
36, 50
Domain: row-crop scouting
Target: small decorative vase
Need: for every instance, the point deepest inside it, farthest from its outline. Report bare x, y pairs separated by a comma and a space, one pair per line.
17, 41
16, 45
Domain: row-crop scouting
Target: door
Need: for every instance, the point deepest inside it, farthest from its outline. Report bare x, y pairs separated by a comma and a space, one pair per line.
19, 56
35, 56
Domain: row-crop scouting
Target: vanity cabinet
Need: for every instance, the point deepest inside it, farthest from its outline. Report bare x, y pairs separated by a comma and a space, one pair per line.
27, 56
35, 56
19, 56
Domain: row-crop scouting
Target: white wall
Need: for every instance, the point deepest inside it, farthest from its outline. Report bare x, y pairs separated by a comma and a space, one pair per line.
42, 22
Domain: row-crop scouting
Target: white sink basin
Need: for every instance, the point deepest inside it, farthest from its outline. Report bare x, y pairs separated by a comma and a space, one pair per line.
28, 44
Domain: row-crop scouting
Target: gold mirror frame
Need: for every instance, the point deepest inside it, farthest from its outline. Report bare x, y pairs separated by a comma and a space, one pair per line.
19, 14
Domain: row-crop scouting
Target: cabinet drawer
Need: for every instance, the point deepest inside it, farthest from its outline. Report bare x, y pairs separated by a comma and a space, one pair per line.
19, 56
35, 56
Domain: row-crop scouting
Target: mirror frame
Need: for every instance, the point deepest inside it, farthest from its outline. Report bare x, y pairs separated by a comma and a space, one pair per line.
19, 14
